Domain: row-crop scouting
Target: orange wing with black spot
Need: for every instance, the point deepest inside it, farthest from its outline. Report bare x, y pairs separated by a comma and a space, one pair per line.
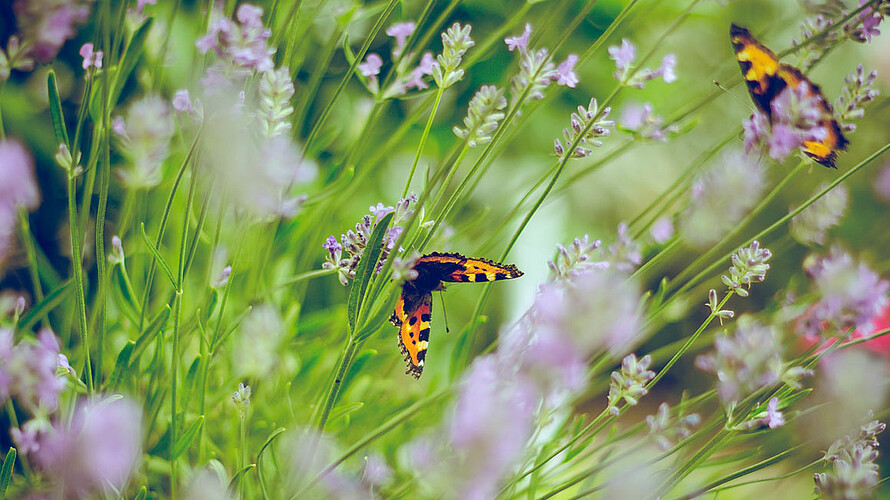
455, 268
414, 308
412, 316
766, 77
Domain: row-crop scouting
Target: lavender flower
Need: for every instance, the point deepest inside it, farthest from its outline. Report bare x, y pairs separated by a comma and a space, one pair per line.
536, 72
371, 66
565, 72
519, 42
853, 473
275, 92
45, 25
257, 173
625, 254
28, 371
721, 196
666, 433
662, 229
376, 473
491, 424
850, 295
747, 361
642, 123
882, 182
810, 27
774, 418
401, 32
304, 455
588, 124
864, 26
354, 242
18, 189
627, 73
748, 266
811, 225
403, 268
856, 93
143, 139
595, 309
455, 43
95, 454
575, 260
241, 398
425, 67
182, 102
91, 59
714, 305
630, 382
484, 113
240, 47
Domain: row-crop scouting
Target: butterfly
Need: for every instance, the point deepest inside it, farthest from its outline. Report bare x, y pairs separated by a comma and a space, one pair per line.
414, 308
767, 77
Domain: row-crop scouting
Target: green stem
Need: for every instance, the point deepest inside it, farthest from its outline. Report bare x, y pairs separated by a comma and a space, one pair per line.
737, 228
337, 383
759, 236
77, 269
31, 255
423, 138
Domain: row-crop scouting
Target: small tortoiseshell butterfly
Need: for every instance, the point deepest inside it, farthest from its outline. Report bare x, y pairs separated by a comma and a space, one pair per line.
414, 308
767, 77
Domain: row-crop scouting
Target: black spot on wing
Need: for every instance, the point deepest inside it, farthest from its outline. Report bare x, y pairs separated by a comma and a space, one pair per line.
481, 277
424, 335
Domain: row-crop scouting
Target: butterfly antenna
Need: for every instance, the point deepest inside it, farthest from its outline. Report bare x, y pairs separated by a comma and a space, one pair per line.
444, 314
733, 94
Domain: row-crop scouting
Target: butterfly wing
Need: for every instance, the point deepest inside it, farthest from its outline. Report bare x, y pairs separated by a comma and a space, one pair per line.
759, 67
825, 150
766, 77
456, 268
412, 316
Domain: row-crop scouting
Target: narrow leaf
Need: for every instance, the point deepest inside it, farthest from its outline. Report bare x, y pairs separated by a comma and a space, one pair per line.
259, 460
150, 333
237, 478
365, 271
6, 471
129, 58
157, 255
143, 493
46, 305
55, 109
187, 437
123, 362
124, 294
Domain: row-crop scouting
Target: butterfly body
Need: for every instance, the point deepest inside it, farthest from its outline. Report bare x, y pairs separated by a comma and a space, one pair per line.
766, 78
413, 311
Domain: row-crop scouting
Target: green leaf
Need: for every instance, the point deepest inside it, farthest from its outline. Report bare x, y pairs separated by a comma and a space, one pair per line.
157, 255
259, 460
123, 362
379, 317
39, 311
365, 271
129, 58
344, 410
143, 493
191, 377
123, 294
150, 333
6, 471
55, 109
237, 478
186, 439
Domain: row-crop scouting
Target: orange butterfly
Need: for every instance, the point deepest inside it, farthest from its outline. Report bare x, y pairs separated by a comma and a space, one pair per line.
767, 77
414, 308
